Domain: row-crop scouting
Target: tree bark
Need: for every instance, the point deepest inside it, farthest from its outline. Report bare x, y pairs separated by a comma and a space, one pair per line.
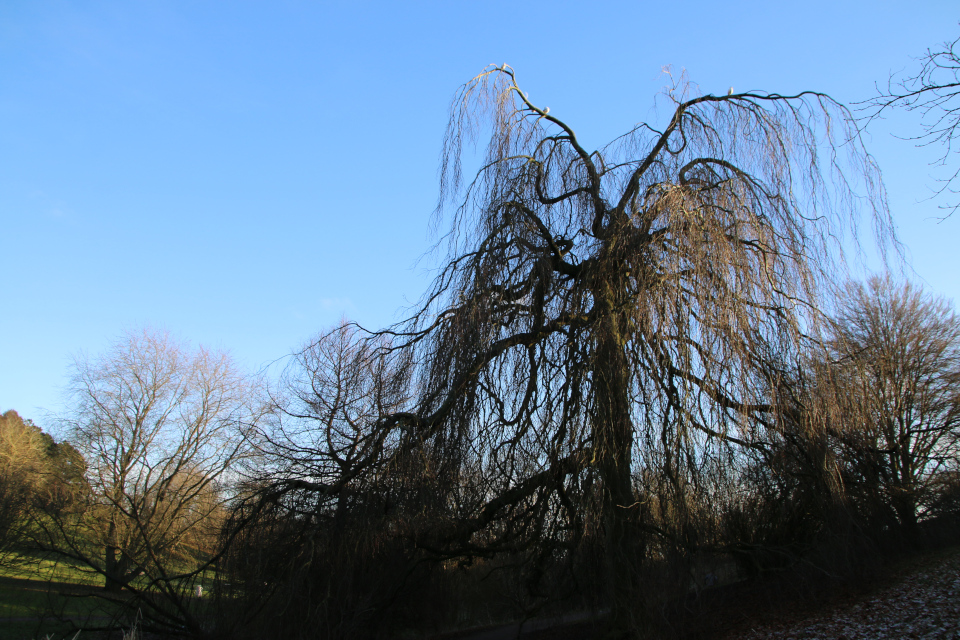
112, 569
613, 434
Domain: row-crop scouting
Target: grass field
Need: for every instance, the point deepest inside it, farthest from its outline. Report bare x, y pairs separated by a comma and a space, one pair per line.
40, 598
45, 599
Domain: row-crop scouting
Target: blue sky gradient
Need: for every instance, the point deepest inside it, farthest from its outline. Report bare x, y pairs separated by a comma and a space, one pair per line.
244, 174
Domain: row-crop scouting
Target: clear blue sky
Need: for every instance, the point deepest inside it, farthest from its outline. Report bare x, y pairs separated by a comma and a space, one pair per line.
246, 173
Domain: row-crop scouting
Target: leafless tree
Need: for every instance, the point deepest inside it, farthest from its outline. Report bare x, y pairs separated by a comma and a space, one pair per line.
603, 336
331, 396
161, 426
321, 511
603, 325
933, 91
896, 352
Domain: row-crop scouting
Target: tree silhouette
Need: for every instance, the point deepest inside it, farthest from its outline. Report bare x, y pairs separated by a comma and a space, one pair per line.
934, 91
602, 333
896, 355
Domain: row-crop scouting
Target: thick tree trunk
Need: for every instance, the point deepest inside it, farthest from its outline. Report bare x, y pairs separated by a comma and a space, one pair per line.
905, 496
114, 563
905, 504
613, 437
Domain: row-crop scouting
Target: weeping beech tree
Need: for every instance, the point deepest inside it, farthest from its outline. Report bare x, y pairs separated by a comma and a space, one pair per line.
603, 335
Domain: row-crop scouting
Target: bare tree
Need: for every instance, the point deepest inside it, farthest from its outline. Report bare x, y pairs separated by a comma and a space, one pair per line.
601, 334
896, 351
321, 517
331, 396
161, 426
934, 91
601, 342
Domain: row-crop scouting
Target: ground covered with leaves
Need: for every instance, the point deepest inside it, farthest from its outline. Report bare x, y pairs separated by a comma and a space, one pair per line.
920, 599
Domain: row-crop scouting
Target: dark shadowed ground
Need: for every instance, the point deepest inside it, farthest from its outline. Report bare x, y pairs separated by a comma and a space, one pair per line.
917, 597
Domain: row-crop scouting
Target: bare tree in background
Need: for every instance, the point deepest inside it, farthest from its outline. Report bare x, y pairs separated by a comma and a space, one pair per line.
320, 522
332, 394
600, 337
161, 426
896, 351
933, 91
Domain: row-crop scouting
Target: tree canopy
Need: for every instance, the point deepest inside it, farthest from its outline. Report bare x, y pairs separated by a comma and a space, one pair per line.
161, 426
896, 354
608, 325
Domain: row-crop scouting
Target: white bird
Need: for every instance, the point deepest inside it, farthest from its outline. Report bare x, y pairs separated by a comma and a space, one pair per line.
730, 91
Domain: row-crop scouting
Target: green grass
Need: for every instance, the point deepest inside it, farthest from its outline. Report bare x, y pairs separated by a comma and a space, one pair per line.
40, 597
33, 608
37, 595
32, 567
